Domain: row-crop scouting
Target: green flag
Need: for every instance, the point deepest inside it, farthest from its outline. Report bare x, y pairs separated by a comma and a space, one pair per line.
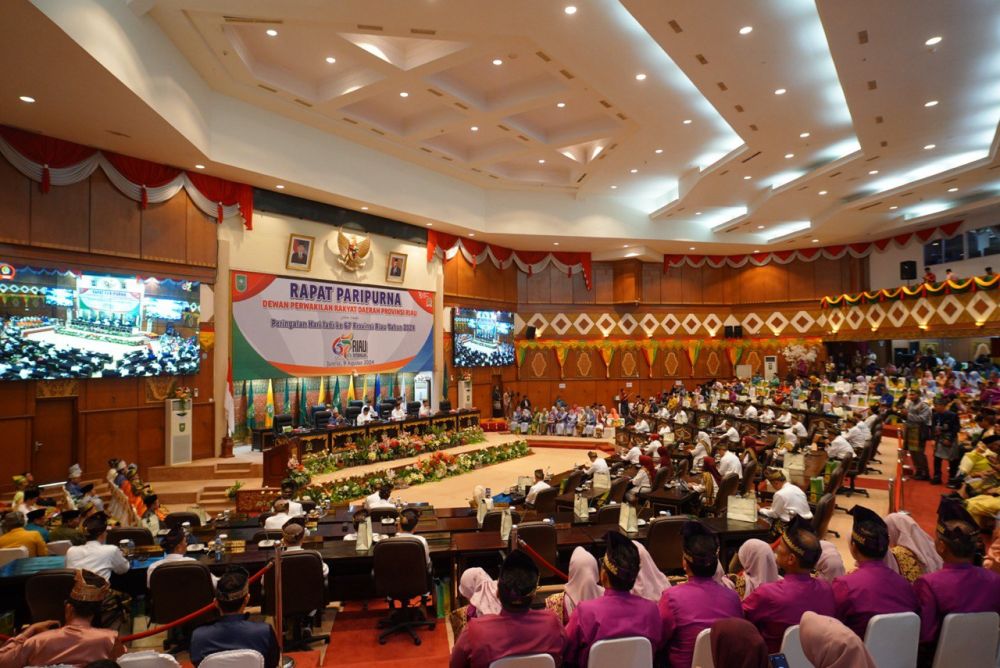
251, 416
335, 399
288, 404
389, 386
303, 403
444, 382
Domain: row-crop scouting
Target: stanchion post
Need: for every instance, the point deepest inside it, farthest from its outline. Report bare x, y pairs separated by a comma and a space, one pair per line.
284, 661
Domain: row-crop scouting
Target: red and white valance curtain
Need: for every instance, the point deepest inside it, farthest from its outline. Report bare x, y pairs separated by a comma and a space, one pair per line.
858, 250
446, 246
49, 161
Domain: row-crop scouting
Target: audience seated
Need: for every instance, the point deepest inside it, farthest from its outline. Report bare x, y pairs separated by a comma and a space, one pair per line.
736, 643
583, 585
15, 535
234, 630
829, 644
174, 546
94, 555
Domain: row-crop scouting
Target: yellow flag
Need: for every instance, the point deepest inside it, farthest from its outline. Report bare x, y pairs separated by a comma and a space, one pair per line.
269, 407
364, 391
322, 392
350, 389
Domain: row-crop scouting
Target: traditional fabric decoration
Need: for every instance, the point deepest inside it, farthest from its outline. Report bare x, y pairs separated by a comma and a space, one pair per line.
49, 161
858, 250
973, 284
446, 246
353, 251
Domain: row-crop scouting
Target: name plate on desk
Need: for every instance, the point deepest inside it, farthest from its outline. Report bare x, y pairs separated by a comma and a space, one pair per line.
741, 508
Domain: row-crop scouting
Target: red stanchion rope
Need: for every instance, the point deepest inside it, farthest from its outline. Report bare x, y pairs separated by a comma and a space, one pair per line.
540, 559
177, 622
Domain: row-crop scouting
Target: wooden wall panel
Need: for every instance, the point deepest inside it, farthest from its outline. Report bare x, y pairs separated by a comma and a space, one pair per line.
604, 280
110, 393
201, 232
538, 289
801, 280
61, 217
15, 205
151, 443
672, 286
164, 230
581, 295
828, 277
203, 423
651, 279
691, 286
628, 281
560, 287
16, 398
110, 434
16, 457
114, 219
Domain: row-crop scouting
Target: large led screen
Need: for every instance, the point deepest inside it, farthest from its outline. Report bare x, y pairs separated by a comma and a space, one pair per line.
482, 338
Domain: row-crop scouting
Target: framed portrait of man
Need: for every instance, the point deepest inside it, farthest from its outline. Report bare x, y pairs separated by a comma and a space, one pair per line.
300, 250
395, 268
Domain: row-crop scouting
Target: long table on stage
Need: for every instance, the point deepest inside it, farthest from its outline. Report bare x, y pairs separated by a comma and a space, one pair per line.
334, 439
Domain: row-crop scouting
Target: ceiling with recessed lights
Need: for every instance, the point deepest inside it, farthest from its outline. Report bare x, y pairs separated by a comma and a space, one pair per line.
708, 126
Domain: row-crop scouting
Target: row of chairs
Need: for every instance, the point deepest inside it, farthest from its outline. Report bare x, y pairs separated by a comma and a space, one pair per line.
235, 658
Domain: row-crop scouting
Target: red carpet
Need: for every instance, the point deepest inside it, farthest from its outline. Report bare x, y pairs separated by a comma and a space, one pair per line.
921, 499
355, 642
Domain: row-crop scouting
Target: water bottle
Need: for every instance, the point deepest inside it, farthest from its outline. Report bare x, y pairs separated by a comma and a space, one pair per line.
131, 547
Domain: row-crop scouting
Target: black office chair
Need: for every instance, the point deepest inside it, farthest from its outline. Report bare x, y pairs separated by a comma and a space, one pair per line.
179, 518
572, 481
176, 590
748, 481
491, 521
616, 493
282, 421
413, 409
400, 574
351, 414
823, 514
322, 418
542, 538
46, 593
545, 501
444, 406
315, 409
138, 535
356, 403
303, 597
665, 542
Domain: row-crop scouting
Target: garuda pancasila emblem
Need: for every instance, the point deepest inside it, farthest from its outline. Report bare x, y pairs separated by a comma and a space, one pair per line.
353, 251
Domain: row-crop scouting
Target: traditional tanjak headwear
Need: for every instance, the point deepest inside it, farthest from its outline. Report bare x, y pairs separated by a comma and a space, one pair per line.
235, 587
956, 527
88, 593
870, 533
791, 536
700, 545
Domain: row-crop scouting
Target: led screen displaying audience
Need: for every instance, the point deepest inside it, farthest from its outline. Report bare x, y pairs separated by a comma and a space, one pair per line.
482, 338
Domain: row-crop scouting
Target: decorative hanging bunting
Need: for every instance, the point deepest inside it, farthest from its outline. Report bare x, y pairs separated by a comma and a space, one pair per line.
607, 351
649, 350
916, 292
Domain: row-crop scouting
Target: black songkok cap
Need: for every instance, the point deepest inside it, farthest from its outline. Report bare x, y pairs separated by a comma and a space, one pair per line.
870, 532
951, 511
36, 514
693, 535
616, 553
172, 539
790, 536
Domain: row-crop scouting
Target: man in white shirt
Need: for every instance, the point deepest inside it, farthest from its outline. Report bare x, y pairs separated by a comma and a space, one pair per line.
681, 417
294, 507
654, 444
855, 435
732, 435
785, 418
379, 499
280, 517
398, 413
799, 429
767, 415
632, 456
95, 556
539, 485
788, 500
425, 409
292, 537
751, 412
839, 447
642, 427
364, 416
174, 549
728, 461
407, 523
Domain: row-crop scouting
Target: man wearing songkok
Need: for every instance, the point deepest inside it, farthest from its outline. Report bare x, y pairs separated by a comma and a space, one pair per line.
76, 642
616, 614
150, 520
775, 606
35, 521
597, 464
687, 609
788, 501
174, 549
68, 528
959, 586
94, 555
517, 629
874, 588
15, 535
945, 425
233, 630
916, 432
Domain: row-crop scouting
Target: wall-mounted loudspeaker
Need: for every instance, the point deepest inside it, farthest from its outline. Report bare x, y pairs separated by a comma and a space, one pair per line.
908, 270
529, 332
734, 332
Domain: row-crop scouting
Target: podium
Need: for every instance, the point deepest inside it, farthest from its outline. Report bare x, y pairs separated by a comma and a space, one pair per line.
177, 431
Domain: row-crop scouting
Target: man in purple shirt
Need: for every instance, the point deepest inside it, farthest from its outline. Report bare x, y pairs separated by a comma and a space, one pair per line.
874, 588
775, 606
958, 587
617, 614
698, 603
517, 629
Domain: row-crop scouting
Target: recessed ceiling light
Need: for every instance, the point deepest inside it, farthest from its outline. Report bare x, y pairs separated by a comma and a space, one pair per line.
789, 155
541, 161
430, 224
271, 32
697, 213
199, 166
953, 190
497, 61
893, 207
625, 246
815, 241
280, 187
872, 172
472, 234
404, 94
640, 77
756, 251
687, 121
928, 147
747, 177
760, 227
658, 151
555, 243
933, 40
27, 98
475, 128
364, 208
931, 103
822, 192
633, 171
803, 135
570, 9
746, 30
331, 60
614, 187
780, 91
561, 105
692, 248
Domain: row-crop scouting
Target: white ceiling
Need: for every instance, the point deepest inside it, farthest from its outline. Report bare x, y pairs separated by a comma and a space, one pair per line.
202, 81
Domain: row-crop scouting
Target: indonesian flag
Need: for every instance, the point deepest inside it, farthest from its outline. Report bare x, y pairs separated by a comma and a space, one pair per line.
230, 403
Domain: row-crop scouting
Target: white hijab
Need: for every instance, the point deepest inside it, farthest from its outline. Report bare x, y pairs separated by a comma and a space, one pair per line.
905, 532
584, 581
759, 564
721, 578
481, 590
651, 582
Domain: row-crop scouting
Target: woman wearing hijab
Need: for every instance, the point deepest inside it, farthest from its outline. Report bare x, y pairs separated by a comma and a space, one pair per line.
736, 643
702, 446
911, 550
480, 590
583, 585
651, 582
830, 564
759, 567
642, 481
710, 479
829, 644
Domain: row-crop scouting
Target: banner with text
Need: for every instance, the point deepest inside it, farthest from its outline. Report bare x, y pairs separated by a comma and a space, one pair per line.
284, 326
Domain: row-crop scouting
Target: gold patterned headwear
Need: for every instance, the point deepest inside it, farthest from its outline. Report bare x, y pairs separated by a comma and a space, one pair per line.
87, 593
